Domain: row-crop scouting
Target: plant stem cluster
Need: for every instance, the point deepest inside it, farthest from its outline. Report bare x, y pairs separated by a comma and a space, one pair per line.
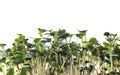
57, 53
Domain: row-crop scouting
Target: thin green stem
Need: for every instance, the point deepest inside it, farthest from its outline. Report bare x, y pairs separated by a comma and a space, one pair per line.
111, 60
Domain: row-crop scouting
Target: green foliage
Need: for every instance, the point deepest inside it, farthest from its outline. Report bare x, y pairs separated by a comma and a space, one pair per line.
41, 31
106, 34
18, 59
1, 69
10, 71
23, 71
93, 40
2, 45
56, 53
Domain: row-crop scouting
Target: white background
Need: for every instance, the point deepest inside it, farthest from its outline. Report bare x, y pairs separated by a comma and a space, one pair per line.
25, 16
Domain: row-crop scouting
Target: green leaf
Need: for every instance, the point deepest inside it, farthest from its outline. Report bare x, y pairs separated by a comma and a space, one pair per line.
61, 31
23, 71
64, 36
3, 59
105, 44
18, 59
106, 34
83, 32
41, 31
10, 71
53, 33
20, 38
109, 39
2, 45
93, 40
89, 45
54, 64
79, 35
37, 40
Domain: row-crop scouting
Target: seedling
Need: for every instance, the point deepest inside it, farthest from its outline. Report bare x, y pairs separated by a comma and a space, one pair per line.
57, 53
